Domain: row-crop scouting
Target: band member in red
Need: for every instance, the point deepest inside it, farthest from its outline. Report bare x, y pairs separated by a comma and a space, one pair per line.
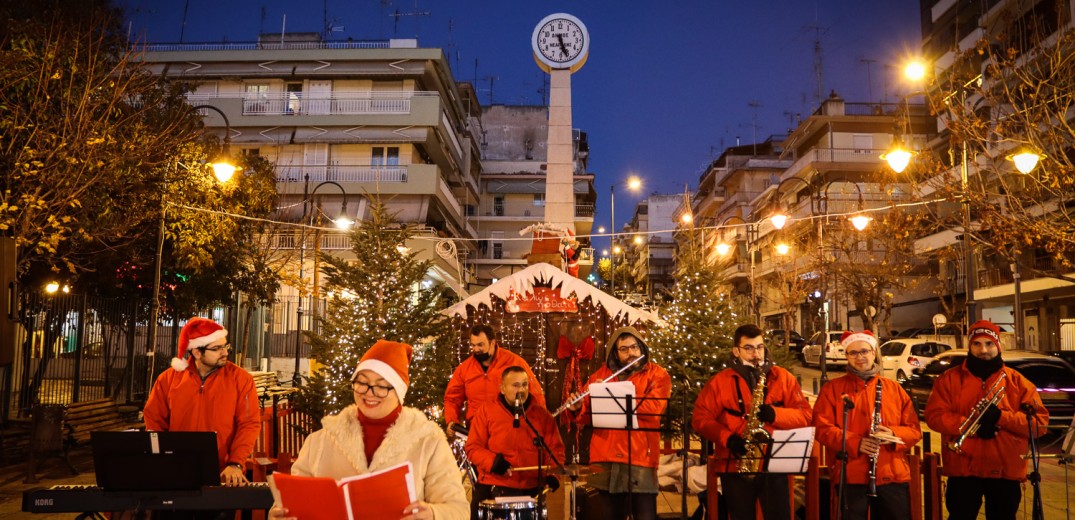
476, 380
873, 453
721, 415
989, 462
502, 446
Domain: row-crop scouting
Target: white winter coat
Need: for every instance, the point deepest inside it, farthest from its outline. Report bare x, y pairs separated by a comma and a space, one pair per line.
337, 451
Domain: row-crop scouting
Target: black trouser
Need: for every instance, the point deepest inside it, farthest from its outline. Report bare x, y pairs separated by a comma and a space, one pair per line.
482, 492
893, 502
615, 506
742, 491
963, 498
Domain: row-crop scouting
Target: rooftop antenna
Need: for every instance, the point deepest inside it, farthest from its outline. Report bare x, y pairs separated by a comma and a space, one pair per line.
261, 25
183, 28
416, 13
380, 29
819, 70
754, 104
491, 80
869, 78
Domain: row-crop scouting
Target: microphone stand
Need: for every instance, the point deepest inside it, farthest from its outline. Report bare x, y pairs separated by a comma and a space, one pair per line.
1037, 508
841, 491
539, 441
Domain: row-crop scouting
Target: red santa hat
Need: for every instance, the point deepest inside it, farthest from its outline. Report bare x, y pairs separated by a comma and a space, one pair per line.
986, 329
391, 361
198, 332
850, 337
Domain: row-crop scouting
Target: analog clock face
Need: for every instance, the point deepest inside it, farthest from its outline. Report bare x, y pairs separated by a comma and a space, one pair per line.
561, 41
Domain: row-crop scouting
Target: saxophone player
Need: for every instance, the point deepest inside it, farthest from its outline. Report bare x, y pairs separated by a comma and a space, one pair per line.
726, 406
988, 462
873, 456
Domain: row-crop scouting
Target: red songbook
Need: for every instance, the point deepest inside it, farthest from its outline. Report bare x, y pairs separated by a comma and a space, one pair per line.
381, 495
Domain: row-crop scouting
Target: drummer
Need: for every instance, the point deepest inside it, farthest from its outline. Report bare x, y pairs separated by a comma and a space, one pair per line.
501, 445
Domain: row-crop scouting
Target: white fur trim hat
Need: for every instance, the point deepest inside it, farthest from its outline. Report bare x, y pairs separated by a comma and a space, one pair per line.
850, 337
390, 360
198, 332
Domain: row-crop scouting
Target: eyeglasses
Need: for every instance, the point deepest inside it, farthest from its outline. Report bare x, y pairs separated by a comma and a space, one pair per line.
858, 353
226, 346
362, 387
751, 348
629, 348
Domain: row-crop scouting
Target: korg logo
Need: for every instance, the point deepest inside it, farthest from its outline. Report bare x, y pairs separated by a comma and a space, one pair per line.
43, 501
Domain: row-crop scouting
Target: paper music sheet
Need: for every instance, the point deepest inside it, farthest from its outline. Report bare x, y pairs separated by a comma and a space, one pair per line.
608, 404
791, 450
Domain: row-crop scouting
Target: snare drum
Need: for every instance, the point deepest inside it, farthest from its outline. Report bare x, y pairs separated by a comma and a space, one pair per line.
523, 510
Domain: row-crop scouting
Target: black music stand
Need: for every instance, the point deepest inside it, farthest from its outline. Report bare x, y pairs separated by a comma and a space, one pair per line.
620, 413
787, 453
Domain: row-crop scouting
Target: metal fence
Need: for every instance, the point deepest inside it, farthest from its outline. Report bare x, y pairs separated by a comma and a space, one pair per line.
72, 348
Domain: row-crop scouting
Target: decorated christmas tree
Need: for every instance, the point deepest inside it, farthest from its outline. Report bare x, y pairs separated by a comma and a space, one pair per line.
382, 293
696, 342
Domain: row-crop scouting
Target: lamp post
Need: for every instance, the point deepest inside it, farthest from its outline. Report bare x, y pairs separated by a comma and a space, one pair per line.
819, 211
342, 222
223, 171
633, 184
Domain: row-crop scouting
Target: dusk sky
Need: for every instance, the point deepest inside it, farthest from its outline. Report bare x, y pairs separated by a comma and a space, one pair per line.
667, 87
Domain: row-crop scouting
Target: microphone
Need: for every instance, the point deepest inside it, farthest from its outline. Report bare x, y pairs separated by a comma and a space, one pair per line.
847, 403
1028, 408
515, 422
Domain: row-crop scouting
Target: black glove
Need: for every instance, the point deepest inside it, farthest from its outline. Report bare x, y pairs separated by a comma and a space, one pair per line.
766, 413
737, 445
987, 424
500, 465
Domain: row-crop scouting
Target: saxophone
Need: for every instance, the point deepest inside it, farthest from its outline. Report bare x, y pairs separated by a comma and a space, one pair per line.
755, 435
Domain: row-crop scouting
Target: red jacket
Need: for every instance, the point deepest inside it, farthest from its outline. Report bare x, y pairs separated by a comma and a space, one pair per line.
653, 387
954, 395
471, 383
493, 431
726, 398
897, 413
226, 402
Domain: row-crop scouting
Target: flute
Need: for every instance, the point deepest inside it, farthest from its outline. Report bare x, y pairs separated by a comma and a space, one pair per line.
565, 406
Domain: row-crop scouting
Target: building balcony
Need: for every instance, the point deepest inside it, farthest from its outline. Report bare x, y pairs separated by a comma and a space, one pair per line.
319, 104
360, 173
527, 212
857, 157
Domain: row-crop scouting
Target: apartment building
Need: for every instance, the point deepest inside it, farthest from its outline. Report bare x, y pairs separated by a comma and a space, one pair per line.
1028, 295
344, 121
512, 197
651, 245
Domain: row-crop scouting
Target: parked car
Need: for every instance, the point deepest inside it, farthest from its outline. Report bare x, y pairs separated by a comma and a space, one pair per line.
834, 353
1054, 378
899, 357
795, 341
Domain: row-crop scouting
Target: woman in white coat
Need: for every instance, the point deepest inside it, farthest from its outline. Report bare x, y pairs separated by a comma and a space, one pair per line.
378, 432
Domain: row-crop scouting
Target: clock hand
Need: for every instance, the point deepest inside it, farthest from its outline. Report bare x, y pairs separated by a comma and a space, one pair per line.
563, 48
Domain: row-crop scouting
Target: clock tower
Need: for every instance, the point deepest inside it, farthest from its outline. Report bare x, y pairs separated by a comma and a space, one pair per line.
561, 45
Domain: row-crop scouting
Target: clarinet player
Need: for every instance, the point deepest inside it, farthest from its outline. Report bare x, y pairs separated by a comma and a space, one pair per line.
881, 427
977, 409
726, 408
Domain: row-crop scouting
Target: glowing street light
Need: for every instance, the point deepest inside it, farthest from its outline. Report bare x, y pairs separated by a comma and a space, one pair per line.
1025, 160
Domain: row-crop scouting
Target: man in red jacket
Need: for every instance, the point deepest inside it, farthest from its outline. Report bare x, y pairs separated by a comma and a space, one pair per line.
610, 461
477, 379
898, 419
502, 446
211, 394
720, 415
989, 463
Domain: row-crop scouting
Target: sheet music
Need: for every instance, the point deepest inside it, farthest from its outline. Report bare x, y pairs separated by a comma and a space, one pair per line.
791, 450
608, 404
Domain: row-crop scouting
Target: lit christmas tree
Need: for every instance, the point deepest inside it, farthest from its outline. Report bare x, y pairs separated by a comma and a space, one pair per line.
696, 343
382, 293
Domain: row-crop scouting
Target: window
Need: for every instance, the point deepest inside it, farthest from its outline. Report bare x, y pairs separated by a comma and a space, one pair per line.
256, 99
862, 143
498, 250
385, 156
294, 98
498, 206
539, 199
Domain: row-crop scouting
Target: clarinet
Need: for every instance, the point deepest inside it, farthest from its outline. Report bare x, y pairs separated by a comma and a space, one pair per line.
872, 485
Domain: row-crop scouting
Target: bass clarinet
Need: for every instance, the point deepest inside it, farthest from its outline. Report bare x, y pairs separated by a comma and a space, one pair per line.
871, 490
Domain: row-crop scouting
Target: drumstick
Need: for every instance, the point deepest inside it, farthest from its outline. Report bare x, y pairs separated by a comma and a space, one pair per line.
531, 468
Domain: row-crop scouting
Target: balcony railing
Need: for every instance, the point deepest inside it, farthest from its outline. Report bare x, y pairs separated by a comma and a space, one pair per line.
584, 210
257, 46
851, 155
341, 173
328, 242
526, 210
326, 103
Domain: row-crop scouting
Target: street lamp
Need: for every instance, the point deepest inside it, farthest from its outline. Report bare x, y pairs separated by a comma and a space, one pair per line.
633, 184
342, 222
819, 211
223, 170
